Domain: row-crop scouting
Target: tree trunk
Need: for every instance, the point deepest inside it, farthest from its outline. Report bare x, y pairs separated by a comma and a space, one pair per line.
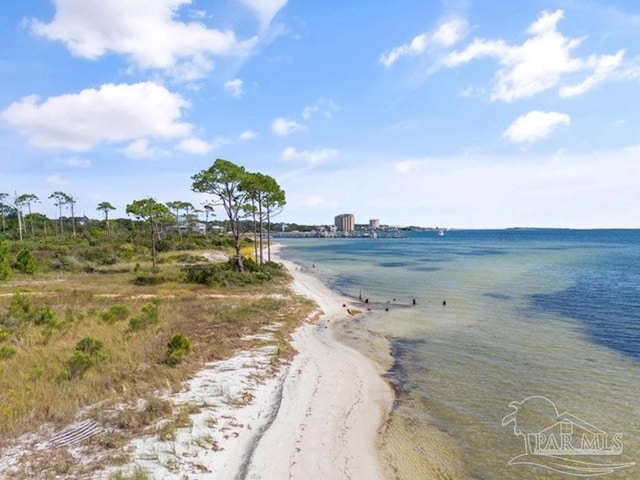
33, 230
60, 220
73, 220
268, 236
235, 230
154, 254
20, 224
260, 216
255, 235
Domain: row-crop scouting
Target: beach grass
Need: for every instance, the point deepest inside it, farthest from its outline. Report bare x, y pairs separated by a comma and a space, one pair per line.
77, 340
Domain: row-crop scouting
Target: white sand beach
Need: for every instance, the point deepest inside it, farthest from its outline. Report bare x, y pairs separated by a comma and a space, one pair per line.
333, 403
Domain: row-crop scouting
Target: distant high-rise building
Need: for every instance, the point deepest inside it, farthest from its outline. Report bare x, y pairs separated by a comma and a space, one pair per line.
345, 223
374, 224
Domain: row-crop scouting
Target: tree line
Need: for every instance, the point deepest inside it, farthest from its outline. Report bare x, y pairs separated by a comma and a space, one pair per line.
242, 196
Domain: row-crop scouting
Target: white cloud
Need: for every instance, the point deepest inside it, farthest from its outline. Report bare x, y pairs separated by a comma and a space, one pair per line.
451, 32
112, 113
445, 35
602, 68
146, 32
312, 157
322, 106
265, 9
140, 149
539, 63
318, 202
195, 146
534, 126
282, 126
247, 135
234, 87
467, 92
406, 166
417, 45
56, 180
74, 162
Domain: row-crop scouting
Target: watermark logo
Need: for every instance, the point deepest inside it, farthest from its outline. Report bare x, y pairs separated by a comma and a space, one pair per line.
561, 441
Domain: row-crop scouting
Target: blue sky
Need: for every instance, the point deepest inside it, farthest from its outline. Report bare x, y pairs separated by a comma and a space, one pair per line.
471, 114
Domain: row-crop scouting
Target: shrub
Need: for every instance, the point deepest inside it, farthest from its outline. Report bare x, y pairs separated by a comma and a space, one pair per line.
100, 255
116, 313
44, 316
85, 355
7, 351
19, 312
177, 348
225, 274
5, 269
149, 315
89, 345
78, 364
143, 280
25, 262
127, 251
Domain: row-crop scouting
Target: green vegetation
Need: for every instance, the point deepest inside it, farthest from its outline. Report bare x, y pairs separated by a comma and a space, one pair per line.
177, 349
25, 262
116, 313
85, 355
99, 314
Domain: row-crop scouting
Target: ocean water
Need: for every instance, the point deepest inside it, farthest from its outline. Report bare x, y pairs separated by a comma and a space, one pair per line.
548, 319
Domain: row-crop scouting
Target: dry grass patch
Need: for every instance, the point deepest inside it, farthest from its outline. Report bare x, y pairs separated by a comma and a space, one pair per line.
36, 386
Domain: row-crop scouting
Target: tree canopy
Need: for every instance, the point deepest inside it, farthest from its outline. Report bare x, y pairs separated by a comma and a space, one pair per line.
155, 213
224, 180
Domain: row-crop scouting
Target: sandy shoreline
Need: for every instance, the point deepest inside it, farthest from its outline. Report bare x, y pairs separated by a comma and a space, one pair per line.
333, 403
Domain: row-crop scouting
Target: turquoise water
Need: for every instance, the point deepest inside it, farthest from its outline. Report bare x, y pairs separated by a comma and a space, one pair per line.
499, 316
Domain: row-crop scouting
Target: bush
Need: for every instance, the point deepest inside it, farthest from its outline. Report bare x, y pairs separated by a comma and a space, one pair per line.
78, 364
100, 255
5, 269
25, 262
143, 280
116, 313
85, 355
89, 345
225, 274
44, 316
7, 351
19, 312
177, 348
127, 251
149, 315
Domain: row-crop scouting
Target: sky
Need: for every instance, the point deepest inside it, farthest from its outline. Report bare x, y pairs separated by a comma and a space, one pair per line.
453, 113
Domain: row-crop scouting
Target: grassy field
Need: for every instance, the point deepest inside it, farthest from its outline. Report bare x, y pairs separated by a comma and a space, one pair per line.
70, 341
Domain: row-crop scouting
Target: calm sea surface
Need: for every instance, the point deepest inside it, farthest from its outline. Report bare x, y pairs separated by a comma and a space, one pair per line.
548, 314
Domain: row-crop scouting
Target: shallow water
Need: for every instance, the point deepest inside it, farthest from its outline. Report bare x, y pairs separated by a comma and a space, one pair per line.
550, 313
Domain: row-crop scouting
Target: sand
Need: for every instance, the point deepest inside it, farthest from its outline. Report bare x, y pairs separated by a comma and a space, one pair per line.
333, 403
